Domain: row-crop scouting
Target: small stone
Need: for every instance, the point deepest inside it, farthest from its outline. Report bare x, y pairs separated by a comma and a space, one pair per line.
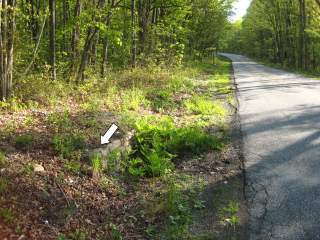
38, 168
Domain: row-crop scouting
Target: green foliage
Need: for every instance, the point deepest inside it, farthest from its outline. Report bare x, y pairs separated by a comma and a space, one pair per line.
69, 146
115, 233
62, 237
157, 160
159, 141
203, 105
73, 167
150, 231
1, 157
277, 32
60, 122
198, 204
7, 132
7, 215
96, 163
134, 167
4, 183
24, 140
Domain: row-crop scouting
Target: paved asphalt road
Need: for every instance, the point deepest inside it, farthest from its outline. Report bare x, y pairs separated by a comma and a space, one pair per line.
280, 122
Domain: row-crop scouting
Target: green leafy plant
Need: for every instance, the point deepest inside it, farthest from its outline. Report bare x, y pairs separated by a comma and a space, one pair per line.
1, 157
7, 215
158, 161
4, 183
96, 163
24, 140
62, 236
115, 233
160, 141
111, 161
198, 204
69, 146
134, 167
150, 231
9, 129
91, 123
174, 220
79, 235
73, 167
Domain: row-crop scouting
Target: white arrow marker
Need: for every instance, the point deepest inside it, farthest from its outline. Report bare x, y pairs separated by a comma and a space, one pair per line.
108, 134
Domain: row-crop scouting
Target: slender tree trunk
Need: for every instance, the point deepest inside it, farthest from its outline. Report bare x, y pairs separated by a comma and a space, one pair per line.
92, 31
7, 31
3, 63
36, 48
52, 7
301, 34
306, 54
84, 58
133, 46
106, 43
125, 35
75, 35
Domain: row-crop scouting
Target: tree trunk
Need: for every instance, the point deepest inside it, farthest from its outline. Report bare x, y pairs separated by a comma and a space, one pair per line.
306, 54
84, 58
301, 30
106, 43
75, 35
144, 8
133, 46
52, 7
7, 32
92, 31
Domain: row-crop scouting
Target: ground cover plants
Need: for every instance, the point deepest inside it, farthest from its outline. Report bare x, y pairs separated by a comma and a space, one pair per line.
153, 190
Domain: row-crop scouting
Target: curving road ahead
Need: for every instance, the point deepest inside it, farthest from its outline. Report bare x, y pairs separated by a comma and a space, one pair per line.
280, 122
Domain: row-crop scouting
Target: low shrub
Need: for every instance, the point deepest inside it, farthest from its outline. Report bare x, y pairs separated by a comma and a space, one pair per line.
159, 141
69, 146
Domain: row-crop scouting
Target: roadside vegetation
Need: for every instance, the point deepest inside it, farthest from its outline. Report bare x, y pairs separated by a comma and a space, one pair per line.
179, 117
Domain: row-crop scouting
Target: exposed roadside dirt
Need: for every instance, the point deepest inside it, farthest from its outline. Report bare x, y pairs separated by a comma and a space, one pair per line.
223, 176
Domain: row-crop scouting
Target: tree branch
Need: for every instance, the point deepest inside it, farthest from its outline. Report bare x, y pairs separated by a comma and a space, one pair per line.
35, 50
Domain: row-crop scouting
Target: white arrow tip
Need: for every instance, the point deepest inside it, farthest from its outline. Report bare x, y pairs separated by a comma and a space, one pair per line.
105, 138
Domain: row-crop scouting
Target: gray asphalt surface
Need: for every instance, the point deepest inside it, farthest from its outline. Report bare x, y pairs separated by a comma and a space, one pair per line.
280, 122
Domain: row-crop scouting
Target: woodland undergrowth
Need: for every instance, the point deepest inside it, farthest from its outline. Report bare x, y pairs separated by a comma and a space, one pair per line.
177, 114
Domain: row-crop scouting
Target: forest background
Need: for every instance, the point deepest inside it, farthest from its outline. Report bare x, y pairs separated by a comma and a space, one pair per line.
72, 39
282, 32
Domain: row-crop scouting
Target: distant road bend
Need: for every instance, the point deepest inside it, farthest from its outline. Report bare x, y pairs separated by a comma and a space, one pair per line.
280, 122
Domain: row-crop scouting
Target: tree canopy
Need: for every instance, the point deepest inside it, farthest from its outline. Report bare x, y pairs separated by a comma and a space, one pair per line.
286, 32
71, 39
